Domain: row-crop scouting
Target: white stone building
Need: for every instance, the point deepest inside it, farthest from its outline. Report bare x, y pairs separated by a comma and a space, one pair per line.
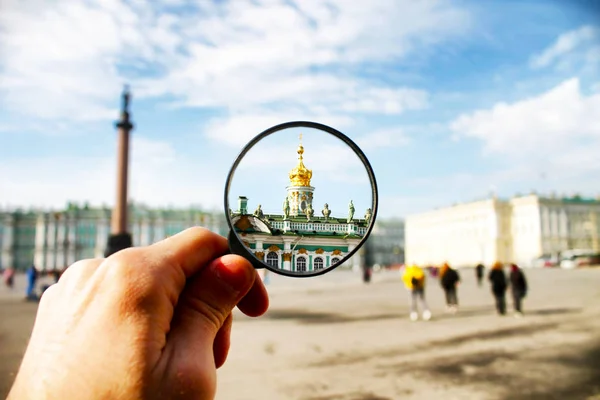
548, 226
516, 230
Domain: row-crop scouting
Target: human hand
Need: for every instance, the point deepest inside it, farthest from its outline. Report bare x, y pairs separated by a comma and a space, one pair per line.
151, 322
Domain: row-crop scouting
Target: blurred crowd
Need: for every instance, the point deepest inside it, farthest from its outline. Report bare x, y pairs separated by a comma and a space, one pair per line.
500, 281
32, 291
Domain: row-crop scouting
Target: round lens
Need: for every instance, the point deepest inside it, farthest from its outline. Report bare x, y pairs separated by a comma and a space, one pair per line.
301, 199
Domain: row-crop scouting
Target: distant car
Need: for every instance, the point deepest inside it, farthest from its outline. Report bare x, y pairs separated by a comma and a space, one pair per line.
545, 261
577, 261
578, 258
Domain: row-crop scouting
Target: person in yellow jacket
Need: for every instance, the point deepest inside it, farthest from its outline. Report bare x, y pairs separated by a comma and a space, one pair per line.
414, 280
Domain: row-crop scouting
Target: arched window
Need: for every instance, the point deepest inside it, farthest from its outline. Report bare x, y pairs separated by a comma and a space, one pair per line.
301, 264
318, 263
335, 260
272, 259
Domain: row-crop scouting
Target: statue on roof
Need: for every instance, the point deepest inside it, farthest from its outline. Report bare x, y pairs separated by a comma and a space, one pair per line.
350, 211
258, 212
326, 212
309, 212
368, 215
286, 208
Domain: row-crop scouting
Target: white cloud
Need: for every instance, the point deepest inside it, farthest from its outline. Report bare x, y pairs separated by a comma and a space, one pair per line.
157, 178
565, 44
556, 133
389, 137
69, 59
549, 123
239, 128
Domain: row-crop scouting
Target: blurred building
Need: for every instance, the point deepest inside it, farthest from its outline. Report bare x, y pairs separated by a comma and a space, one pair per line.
54, 239
515, 230
385, 245
550, 225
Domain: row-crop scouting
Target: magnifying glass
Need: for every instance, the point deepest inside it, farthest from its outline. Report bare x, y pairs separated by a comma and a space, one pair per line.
300, 200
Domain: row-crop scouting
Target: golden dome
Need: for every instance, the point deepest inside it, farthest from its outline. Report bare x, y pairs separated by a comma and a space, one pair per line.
300, 175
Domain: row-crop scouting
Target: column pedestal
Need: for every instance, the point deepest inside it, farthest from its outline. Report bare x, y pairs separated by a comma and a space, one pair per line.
117, 243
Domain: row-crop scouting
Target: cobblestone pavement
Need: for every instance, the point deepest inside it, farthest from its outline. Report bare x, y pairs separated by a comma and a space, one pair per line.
337, 338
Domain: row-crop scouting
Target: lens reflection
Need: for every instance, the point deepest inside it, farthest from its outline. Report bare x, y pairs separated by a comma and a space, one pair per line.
301, 200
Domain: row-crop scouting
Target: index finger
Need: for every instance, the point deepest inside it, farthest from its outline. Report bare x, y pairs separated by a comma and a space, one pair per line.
190, 250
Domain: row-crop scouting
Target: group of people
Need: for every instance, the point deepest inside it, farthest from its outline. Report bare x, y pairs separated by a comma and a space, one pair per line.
414, 278
32, 275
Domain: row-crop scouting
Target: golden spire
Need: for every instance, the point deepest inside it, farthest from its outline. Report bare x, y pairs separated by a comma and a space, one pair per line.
300, 175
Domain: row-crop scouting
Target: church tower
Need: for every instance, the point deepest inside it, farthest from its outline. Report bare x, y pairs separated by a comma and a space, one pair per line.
299, 192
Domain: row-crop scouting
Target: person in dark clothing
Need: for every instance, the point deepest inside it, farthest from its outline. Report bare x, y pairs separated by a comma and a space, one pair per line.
518, 286
449, 279
479, 273
498, 280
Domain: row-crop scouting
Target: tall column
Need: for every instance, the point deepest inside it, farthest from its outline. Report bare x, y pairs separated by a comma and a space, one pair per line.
120, 238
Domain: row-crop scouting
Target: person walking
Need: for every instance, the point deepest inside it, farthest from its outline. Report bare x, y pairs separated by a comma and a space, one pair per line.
479, 270
32, 275
499, 284
518, 286
9, 277
449, 279
414, 280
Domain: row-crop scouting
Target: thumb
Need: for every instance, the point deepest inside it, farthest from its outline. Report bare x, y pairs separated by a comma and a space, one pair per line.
188, 362
209, 298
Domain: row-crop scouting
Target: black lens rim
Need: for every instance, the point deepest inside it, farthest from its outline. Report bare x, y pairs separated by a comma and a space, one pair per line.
237, 247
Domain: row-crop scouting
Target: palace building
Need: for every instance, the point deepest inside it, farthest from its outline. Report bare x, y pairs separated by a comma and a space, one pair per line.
516, 230
55, 239
297, 240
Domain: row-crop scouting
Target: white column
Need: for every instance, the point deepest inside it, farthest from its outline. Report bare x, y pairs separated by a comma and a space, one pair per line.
61, 243
40, 242
71, 239
51, 241
7, 242
102, 232
159, 229
145, 239
287, 248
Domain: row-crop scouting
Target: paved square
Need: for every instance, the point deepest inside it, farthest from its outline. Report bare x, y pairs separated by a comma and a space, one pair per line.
334, 337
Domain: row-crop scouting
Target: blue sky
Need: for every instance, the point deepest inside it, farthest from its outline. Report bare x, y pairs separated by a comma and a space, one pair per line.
450, 100
263, 174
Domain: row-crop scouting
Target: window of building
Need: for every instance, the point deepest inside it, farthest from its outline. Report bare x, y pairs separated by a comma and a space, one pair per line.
318, 263
301, 264
272, 259
335, 260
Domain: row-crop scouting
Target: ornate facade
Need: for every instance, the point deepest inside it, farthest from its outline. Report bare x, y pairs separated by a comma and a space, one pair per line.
297, 240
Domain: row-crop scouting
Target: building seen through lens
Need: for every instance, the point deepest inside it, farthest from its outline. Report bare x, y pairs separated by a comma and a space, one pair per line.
297, 239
